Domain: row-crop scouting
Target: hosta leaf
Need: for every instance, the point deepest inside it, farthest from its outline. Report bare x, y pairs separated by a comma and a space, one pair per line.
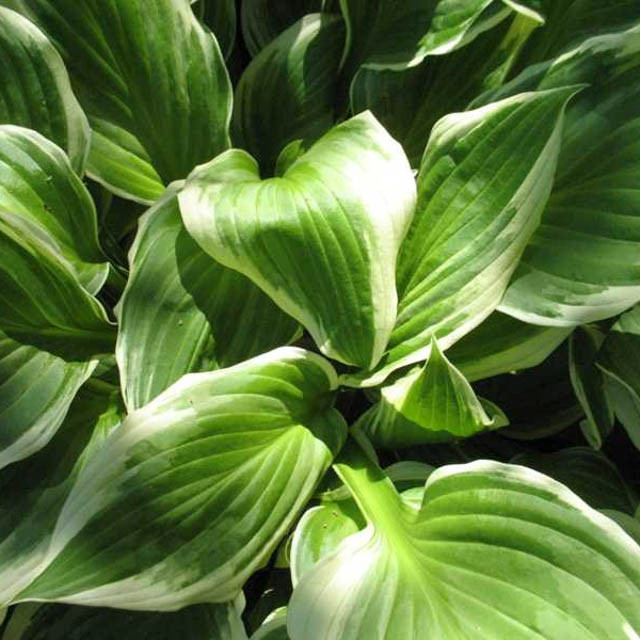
35, 91
456, 22
626, 406
63, 622
319, 533
41, 300
588, 384
38, 183
581, 265
588, 473
220, 16
568, 22
183, 312
483, 182
34, 489
174, 98
36, 389
502, 344
288, 91
434, 403
263, 20
409, 102
384, 33
322, 240
619, 358
274, 627
494, 547
628, 523
118, 161
539, 401
533, 9
206, 480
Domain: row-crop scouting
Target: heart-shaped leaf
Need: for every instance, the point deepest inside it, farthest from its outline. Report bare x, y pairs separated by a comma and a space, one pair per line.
493, 547
192, 493
322, 240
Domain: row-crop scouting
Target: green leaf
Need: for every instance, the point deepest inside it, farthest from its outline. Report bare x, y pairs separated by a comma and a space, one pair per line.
581, 265
532, 9
183, 312
619, 358
588, 473
434, 403
319, 533
502, 344
274, 627
35, 91
588, 384
321, 241
34, 489
264, 20
568, 22
409, 102
483, 182
36, 389
175, 98
457, 22
119, 162
41, 301
494, 547
626, 406
63, 622
206, 479
220, 16
539, 401
628, 523
384, 33
37, 183
289, 89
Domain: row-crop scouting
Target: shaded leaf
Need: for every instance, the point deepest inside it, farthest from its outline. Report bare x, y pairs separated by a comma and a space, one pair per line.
588, 384
36, 389
41, 301
183, 312
502, 344
34, 489
288, 91
588, 473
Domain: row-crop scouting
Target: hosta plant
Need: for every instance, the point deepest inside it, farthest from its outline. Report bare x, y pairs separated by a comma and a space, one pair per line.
320, 319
